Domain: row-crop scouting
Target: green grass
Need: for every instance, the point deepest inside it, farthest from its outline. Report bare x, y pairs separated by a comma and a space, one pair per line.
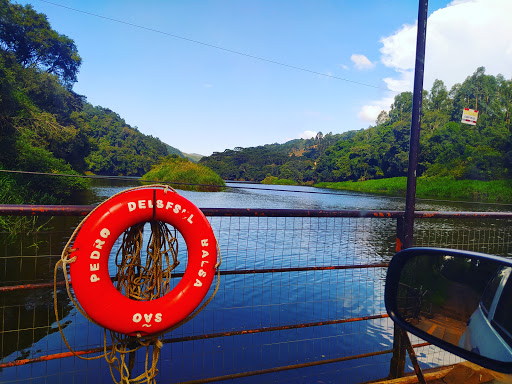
433, 187
272, 180
12, 192
175, 170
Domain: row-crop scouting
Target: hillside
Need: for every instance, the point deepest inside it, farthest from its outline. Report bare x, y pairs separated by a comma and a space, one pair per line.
448, 148
46, 127
294, 160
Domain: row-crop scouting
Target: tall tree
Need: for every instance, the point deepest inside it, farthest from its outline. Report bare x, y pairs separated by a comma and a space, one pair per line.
29, 36
401, 108
438, 99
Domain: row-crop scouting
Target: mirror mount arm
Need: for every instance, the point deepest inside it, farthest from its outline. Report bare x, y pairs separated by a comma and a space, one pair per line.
412, 356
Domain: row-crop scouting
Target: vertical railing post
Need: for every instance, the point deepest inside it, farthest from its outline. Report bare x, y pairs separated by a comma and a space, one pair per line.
405, 227
397, 363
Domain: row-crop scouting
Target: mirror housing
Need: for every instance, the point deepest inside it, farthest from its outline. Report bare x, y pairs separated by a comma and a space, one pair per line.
457, 300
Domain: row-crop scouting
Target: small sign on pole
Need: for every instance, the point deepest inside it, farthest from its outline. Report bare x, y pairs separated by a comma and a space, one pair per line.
469, 116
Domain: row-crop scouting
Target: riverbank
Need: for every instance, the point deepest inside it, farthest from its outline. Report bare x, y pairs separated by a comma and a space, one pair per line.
497, 191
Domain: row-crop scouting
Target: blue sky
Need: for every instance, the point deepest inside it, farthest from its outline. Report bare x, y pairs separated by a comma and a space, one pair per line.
201, 99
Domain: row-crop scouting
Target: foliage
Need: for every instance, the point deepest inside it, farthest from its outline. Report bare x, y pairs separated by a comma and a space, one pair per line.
29, 36
272, 180
294, 160
184, 174
432, 187
14, 192
118, 148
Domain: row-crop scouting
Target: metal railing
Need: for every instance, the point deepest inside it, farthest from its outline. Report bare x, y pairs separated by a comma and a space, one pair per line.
301, 297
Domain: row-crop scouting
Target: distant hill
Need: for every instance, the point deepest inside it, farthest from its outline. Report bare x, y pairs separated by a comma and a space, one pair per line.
294, 160
193, 157
173, 151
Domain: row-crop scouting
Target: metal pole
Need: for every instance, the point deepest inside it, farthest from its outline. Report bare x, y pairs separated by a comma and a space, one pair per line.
414, 141
405, 228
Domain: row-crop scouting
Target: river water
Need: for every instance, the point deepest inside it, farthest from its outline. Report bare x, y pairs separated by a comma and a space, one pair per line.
244, 301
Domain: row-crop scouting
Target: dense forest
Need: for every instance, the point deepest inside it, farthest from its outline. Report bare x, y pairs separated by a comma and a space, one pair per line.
46, 127
448, 147
295, 160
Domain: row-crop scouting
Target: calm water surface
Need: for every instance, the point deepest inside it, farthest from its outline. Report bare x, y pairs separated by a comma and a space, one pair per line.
248, 301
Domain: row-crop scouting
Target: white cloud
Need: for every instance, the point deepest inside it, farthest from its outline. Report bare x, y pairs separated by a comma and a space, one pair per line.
345, 67
361, 62
307, 135
461, 37
369, 113
402, 84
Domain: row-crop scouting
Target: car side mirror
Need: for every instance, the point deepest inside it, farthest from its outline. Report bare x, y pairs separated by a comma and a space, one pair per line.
460, 301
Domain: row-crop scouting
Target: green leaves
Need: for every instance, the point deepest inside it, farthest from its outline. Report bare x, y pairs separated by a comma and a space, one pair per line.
29, 36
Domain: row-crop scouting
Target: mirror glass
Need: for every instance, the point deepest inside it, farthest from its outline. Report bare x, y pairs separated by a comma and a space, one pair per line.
465, 301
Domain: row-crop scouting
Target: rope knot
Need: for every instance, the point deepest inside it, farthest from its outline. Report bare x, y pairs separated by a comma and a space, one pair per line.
65, 257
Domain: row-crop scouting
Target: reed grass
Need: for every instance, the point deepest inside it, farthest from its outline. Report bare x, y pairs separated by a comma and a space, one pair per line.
273, 180
498, 191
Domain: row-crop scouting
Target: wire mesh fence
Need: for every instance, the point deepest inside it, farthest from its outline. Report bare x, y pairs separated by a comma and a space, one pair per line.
301, 299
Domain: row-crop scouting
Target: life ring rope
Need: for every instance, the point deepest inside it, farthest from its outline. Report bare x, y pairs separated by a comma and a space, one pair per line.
143, 340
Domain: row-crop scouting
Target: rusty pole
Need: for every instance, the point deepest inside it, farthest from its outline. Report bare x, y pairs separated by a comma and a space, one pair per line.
405, 228
414, 140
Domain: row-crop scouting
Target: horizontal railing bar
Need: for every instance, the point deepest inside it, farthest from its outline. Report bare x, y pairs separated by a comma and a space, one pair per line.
9, 288
44, 210
303, 269
22, 287
83, 210
273, 329
294, 366
269, 212
461, 215
192, 338
55, 356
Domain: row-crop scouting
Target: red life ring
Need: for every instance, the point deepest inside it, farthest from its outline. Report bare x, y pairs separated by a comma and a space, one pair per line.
90, 276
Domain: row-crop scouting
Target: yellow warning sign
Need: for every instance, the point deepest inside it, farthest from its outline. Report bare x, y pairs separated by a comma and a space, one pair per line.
469, 116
